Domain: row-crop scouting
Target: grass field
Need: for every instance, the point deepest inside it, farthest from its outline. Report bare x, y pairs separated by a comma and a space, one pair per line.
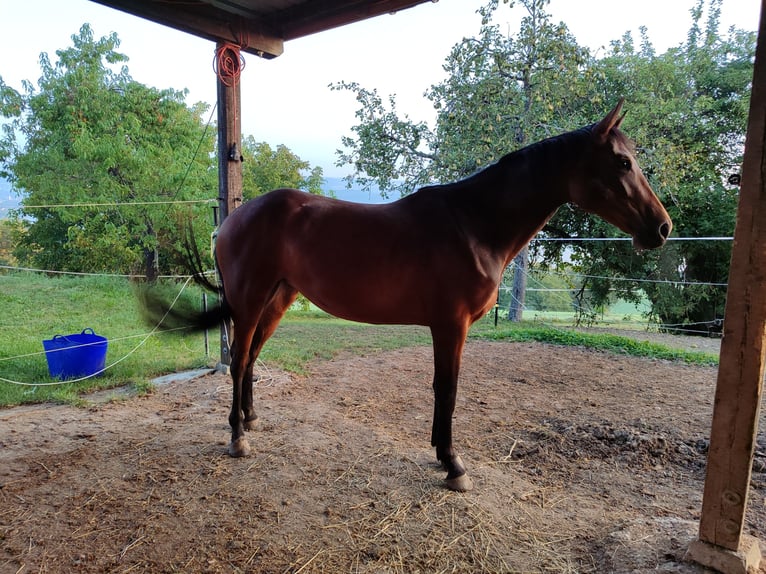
37, 307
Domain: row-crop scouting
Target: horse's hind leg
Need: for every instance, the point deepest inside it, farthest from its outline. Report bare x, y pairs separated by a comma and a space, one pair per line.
243, 335
280, 302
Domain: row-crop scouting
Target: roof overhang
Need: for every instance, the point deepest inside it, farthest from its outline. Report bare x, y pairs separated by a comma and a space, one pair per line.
259, 27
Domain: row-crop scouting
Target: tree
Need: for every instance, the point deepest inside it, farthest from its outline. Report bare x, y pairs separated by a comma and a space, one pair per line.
264, 169
112, 171
93, 137
8, 233
502, 93
686, 108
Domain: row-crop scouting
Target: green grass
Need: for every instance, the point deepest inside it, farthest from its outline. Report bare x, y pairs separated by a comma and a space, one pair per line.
599, 341
302, 337
36, 307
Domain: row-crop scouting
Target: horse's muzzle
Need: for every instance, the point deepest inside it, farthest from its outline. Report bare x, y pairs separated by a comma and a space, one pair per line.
653, 239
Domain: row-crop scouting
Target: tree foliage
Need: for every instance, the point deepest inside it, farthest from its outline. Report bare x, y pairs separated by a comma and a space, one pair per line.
111, 171
93, 137
265, 169
9, 233
502, 92
687, 110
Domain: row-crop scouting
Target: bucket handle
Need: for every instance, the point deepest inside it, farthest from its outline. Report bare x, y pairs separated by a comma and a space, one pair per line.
86, 331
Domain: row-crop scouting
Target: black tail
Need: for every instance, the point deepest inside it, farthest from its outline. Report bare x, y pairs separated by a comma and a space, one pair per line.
160, 310
194, 262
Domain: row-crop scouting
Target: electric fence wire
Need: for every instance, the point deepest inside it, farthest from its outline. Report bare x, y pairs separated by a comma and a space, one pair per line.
211, 272
580, 239
188, 278
117, 203
171, 201
678, 328
638, 280
87, 274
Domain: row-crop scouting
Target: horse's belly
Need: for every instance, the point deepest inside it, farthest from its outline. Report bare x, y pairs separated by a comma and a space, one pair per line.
403, 298
379, 306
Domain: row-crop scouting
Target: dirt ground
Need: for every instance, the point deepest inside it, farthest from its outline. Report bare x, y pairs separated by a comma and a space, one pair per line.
582, 461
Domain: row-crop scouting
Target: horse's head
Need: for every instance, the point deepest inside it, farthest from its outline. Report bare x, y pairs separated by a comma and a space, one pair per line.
612, 186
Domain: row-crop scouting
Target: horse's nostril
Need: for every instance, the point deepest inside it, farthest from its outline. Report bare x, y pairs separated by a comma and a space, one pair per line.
665, 230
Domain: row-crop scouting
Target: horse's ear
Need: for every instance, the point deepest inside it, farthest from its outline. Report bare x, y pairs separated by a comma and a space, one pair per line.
612, 120
618, 123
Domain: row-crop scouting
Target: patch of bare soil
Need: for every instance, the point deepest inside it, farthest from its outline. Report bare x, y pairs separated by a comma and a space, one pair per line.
582, 462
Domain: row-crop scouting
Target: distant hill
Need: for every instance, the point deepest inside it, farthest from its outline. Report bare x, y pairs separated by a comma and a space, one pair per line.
336, 187
8, 201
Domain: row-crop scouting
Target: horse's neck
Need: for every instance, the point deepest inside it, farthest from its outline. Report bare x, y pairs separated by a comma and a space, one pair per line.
509, 202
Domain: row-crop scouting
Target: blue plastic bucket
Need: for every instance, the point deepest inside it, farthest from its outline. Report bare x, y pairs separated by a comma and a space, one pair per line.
75, 356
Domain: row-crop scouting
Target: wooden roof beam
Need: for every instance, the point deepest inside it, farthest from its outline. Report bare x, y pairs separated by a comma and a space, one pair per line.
310, 17
203, 19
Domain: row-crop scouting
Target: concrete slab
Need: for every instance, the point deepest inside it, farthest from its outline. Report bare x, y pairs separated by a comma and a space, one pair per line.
184, 376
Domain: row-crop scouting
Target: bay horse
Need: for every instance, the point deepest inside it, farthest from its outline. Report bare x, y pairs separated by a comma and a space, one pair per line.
433, 258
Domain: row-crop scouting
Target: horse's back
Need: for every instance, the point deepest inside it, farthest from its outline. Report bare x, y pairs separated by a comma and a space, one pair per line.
385, 263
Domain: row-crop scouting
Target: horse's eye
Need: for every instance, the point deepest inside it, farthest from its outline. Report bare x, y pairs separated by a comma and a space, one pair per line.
624, 162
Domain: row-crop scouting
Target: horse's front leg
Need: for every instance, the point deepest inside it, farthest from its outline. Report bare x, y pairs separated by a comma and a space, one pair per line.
448, 349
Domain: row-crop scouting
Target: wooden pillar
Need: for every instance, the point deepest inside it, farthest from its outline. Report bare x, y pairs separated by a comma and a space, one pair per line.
228, 68
741, 366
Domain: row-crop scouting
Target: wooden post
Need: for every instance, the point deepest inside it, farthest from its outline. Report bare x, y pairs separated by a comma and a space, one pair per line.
229, 153
722, 544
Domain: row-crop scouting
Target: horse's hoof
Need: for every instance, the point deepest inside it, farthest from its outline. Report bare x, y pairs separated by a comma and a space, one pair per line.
460, 483
239, 448
250, 424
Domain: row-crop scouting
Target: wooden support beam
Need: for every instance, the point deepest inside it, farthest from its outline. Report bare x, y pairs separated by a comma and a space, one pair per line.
203, 19
229, 153
304, 18
743, 350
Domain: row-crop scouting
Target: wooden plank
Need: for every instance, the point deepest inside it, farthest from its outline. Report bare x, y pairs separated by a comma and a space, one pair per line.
203, 20
259, 27
741, 367
310, 17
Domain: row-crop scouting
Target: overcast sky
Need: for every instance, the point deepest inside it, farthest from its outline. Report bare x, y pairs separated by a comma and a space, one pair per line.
287, 100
